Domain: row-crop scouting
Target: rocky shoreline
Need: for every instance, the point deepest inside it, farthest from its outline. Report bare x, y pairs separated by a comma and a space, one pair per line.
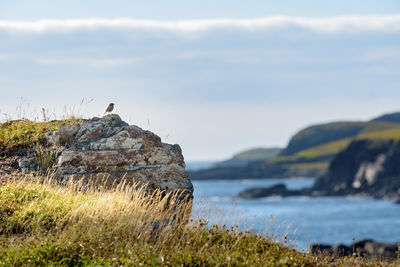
366, 168
363, 248
254, 170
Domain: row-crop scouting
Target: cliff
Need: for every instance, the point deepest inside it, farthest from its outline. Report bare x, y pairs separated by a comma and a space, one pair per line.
366, 167
309, 152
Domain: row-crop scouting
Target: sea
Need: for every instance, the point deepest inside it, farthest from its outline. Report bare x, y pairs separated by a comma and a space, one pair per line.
298, 221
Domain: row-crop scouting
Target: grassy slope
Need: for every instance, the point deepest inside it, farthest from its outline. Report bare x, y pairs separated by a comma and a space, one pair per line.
43, 224
258, 154
23, 133
335, 147
312, 157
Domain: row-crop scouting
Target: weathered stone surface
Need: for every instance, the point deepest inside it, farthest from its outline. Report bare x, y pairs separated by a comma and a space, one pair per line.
108, 148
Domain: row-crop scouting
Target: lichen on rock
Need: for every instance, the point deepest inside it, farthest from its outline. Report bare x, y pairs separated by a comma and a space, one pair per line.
109, 147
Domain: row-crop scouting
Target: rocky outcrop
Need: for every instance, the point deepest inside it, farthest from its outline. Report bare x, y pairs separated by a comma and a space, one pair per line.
255, 170
364, 248
275, 190
110, 149
367, 167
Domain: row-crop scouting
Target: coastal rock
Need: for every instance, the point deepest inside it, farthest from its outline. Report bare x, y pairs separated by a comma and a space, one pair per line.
366, 167
275, 190
364, 248
108, 148
254, 170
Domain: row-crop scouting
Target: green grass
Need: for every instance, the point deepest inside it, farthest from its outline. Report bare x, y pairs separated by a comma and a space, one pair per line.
284, 159
24, 133
376, 126
42, 224
389, 134
258, 154
309, 165
386, 131
335, 147
328, 149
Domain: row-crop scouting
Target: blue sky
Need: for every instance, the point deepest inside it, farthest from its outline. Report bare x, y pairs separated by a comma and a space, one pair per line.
184, 9
214, 77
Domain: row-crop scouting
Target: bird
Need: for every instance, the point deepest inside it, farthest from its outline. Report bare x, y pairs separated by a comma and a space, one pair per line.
110, 108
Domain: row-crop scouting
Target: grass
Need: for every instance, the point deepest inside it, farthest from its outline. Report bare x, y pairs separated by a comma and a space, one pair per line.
386, 131
328, 149
284, 159
42, 223
335, 147
26, 133
258, 154
389, 134
309, 165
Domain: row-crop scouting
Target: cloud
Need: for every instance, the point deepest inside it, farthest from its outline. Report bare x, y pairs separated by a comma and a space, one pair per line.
325, 25
97, 63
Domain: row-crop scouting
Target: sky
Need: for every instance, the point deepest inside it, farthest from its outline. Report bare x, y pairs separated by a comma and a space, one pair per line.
215, 77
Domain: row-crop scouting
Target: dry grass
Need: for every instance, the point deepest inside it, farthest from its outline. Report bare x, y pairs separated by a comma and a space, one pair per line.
43, 223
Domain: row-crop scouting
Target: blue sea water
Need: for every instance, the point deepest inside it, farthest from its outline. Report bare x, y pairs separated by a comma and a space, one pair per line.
304, 220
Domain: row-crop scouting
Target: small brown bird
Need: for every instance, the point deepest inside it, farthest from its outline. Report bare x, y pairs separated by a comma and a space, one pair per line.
110, 108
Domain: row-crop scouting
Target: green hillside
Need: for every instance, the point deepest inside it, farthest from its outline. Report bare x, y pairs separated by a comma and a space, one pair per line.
258, 154
392, 117
316, 146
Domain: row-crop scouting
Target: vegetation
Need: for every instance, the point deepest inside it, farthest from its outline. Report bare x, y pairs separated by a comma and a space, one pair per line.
318, 135
26, 133
391, 117
321, 134
309, 165
389, 134
332, 148
316, 146
328, 149
258, 154
42, 223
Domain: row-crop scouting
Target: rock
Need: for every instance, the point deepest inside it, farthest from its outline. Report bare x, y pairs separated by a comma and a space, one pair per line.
254, 170
25, 163
363, 248
109, 149
366, 167
275, 190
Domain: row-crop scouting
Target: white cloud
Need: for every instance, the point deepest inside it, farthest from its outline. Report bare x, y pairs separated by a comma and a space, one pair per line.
327, 25
96, 63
